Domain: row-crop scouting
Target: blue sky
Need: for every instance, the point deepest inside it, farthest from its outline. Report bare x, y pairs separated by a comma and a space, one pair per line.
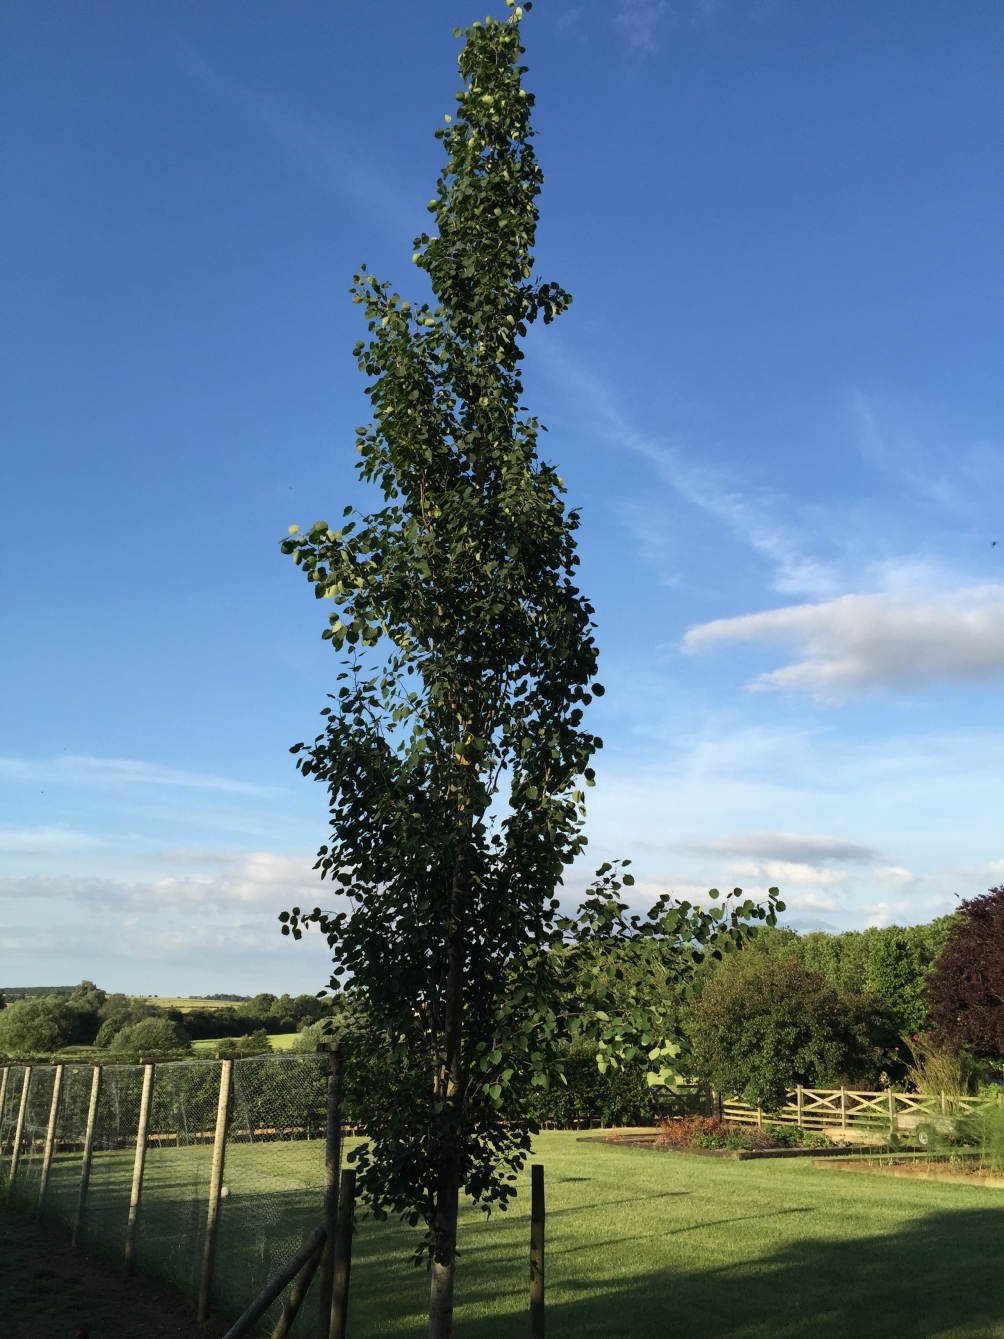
777, 399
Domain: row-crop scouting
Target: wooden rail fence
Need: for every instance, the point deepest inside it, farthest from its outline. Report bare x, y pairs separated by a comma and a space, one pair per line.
829, 1108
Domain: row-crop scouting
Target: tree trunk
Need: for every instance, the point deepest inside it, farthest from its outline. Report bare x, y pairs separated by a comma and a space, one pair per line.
441, 1291
447, 1191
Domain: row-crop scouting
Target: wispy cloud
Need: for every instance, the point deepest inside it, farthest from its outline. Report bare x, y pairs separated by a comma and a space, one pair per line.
88, 772
753, 517
639, 21
320, 153
206, 881
861, 643
787, 846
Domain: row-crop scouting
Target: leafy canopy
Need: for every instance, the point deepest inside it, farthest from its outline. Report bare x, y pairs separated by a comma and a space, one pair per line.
454, 749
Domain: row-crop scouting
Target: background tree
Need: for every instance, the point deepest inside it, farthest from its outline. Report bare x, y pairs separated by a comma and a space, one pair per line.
119, 1011
894, 974
966, 987
768, 1023
150, 1036
86, 1001
36, 1026
454, 748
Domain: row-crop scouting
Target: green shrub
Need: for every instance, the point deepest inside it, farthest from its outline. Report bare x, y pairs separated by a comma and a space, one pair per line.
766, 1024
119, 1011
256, 1042
37, 1026
151, 1036
617, 1097
705, 1139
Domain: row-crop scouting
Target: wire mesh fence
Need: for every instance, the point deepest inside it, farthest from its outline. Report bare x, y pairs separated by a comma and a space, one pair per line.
273, 1169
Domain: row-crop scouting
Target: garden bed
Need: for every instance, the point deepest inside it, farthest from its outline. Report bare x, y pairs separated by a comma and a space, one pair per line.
734, 1154
919, 1169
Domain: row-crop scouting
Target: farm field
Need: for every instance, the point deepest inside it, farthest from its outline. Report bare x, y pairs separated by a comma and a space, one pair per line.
638, 1243
187, 1003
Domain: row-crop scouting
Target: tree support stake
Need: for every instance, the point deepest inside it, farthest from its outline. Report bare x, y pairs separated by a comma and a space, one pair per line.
15, 1156
85, 1167
50, 1137
215, 1187
142, 1131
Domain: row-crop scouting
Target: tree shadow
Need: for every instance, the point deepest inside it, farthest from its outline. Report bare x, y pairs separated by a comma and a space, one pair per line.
940, 1276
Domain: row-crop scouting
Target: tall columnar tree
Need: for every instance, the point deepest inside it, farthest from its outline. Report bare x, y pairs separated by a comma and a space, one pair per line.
453, 754
454, 750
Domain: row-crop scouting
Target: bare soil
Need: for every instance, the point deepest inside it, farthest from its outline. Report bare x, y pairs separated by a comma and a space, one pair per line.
920, 1170
48, 1291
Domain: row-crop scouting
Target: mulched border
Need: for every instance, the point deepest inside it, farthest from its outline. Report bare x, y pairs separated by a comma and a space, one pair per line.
48, 1291
925, 1172
730, 1154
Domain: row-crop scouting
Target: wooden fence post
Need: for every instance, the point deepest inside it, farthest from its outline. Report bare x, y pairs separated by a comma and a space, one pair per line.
15, 1156
332, 1167
215, 1186
892, 1111
142, 1130
843, 1109
3, 1097
50, 1137
943, 1105
536, 1251
759, 1118
85, 1166
343, 1255
800, 1099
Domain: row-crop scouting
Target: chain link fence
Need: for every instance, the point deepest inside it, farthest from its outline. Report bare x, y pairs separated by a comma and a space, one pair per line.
273, 1174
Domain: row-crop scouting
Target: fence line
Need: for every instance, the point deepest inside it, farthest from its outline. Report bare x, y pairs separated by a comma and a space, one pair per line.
171, 1167
827, 1108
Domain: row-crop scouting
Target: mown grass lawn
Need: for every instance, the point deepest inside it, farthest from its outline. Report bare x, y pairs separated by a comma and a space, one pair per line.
649, 1244
639, 1244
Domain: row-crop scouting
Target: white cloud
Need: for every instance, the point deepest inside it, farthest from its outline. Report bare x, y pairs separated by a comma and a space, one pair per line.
638, 20
786, 846
812, 902
785, 872
86, 772
860, 643
45, 841
257, 879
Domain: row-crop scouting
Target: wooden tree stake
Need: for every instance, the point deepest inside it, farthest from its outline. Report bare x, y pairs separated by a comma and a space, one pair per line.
343, 1255
15, 1156
332, 1167
50, 1137
85, 1167
296, 1295
142, 1131
3, 1094
215, 1186
536, 1251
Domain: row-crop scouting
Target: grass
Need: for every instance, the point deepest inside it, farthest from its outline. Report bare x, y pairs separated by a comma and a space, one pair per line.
639, 1244
279, 1041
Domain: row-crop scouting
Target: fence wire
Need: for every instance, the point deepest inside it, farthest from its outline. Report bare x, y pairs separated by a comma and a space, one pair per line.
273, 1180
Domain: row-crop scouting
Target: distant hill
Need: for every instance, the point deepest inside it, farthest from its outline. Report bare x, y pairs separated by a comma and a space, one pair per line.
22, 992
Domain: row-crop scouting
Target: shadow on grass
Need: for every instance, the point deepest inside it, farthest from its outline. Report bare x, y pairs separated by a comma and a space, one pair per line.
940, 1276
